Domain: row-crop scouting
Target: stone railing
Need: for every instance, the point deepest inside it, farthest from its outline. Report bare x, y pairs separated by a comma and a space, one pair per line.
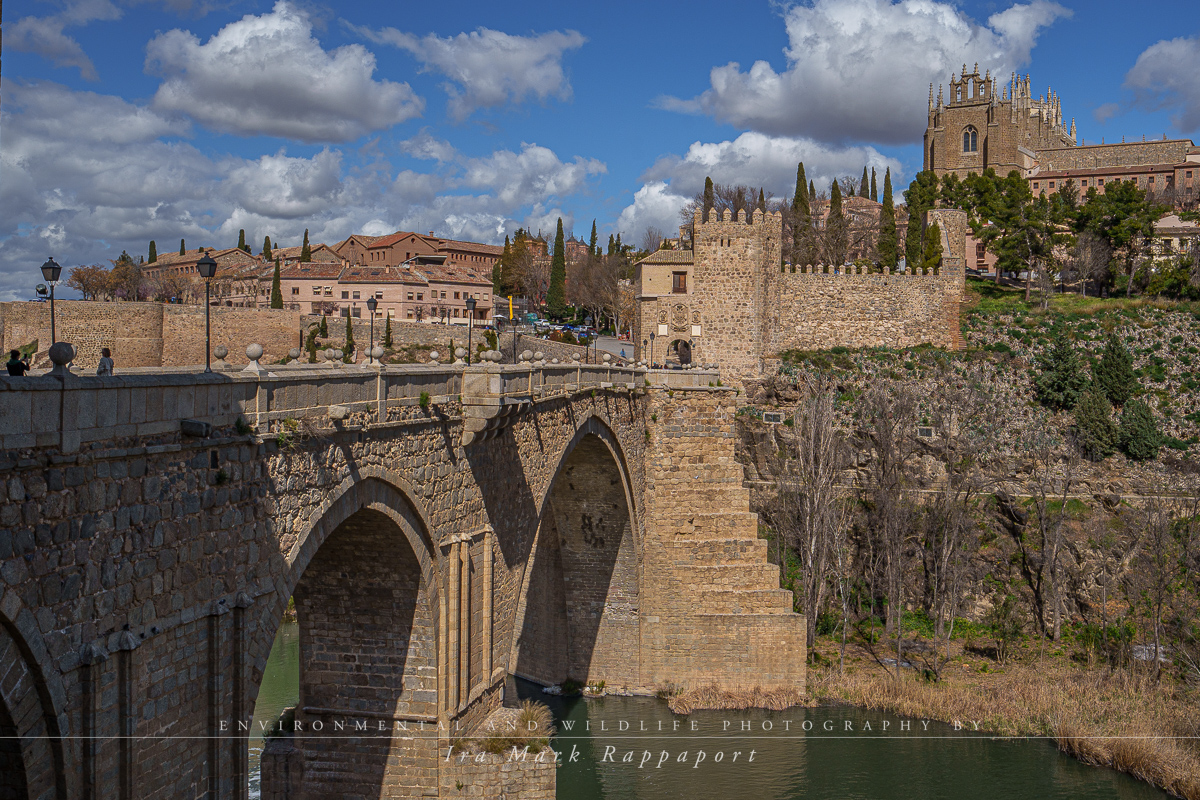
70, 412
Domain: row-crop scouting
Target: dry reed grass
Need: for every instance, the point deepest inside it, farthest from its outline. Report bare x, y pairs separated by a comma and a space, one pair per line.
714, 697
1127, 722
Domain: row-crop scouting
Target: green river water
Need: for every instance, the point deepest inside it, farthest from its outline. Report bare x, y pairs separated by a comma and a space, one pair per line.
622, 748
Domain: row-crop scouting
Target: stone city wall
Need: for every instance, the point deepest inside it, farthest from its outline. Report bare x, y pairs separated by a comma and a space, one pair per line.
817, 311
148, 334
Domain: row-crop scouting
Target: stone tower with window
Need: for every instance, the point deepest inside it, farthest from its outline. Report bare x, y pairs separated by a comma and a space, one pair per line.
716, 296
981, 125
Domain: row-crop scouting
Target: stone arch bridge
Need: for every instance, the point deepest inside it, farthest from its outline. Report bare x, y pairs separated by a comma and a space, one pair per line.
439, 528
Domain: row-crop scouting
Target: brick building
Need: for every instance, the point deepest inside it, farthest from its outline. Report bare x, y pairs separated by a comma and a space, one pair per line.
982, 125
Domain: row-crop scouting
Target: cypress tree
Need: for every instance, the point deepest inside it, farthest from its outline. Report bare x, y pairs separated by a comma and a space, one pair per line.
498, 282
182, 249
324, 329
556, 301
276, 292
931, 256
620, 247
242, 240
874, 192
864, 184
1095, 431
611, 245
348, 351
762, 201
266, 251
921, 195
889, 252
387, 333
1114, 373
710, 198
801, 218
1062, 379
812, 192
305, 252
739, 201
153, 252
835, 227
592, 242
1138, 435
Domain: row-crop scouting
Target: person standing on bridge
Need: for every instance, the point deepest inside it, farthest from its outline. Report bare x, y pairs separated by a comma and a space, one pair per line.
17, 365
106, 362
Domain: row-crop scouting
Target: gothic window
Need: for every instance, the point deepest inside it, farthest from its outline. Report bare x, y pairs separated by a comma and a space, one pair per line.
970, 140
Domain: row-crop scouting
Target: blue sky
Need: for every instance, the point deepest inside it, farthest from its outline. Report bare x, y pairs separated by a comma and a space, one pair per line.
129, 120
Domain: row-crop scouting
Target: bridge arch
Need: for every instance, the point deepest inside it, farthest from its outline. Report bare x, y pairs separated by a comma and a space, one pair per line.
577, 616
363, 576
31, 724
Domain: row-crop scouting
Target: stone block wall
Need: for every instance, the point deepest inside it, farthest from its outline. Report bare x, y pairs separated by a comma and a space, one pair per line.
503, 776
817, 311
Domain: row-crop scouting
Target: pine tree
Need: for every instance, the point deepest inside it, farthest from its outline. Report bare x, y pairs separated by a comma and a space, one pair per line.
801, 219
1114, 373
305, 251
1138, 435
710, 198
324, 329
266, 251
931, 256
276, 292
556, 301
153, 252
874, 192
1062, 379
1095, 431
864, 184
592, 242
889, 251
348, 351
182, 249
242, 240
387, 332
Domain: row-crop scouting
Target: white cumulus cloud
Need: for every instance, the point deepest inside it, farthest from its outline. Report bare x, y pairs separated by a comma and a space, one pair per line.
488, 68
754, 159
268, 75
858, 70
1165, 76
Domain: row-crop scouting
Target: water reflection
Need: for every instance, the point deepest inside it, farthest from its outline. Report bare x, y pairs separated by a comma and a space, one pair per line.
843, 752
646, 752
280, 689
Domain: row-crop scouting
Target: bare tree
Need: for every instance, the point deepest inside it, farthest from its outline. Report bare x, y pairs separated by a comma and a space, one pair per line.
1156, 581
808, 507
886, 428
651, 239
1089, 259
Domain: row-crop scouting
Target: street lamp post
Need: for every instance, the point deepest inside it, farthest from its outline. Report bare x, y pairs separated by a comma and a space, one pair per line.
207, 268
372, 304
470, 324
50, 271
652, 351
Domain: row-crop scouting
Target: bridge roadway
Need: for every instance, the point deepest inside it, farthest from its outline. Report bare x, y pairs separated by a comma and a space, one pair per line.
440, 528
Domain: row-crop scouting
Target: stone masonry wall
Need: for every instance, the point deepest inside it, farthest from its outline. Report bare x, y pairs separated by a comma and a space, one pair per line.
818, 311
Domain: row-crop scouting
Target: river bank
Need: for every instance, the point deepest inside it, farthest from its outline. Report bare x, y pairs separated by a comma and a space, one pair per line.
1116, 718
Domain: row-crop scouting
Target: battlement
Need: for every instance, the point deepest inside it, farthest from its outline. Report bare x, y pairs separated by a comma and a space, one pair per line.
726, 217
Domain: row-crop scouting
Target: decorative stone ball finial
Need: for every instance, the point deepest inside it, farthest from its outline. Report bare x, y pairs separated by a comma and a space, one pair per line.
538, 356
61, 353
220, 351
294, 353
607, 357
433, 356
338, 355
376, 352
574, 356
526, 355
329, 351
554, 361
254, 352
460, 352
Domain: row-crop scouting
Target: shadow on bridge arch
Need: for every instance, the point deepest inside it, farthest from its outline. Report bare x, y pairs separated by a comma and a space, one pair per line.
577, 618
31, 728
365, 595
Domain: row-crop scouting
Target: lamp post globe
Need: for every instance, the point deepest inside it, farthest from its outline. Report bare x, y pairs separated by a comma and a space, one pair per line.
50, 271
207, 268
471, 302
372, 304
